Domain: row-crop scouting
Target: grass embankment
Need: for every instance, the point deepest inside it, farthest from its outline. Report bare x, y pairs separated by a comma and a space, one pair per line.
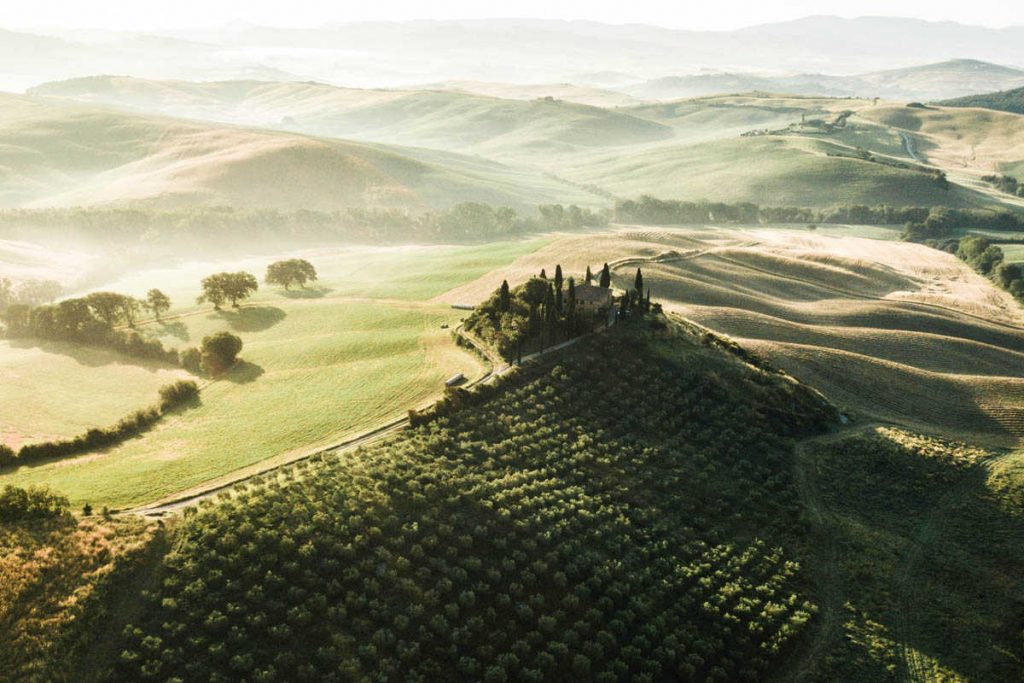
360, 348
919, 555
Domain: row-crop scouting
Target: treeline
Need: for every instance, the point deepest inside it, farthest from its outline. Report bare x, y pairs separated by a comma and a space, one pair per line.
1005, 183
227, 226
988, 259
28, 293
653, 211
172, 396
92, 320
941, 221
18, 504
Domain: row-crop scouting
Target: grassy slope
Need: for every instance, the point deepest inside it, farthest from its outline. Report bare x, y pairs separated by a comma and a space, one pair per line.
789, 171
364, 349
918, 558
120, 157
58, 390
60, 582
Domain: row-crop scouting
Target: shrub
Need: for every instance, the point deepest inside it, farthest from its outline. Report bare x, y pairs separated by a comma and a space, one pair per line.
18, 504
192, 360
182, 392
220, 352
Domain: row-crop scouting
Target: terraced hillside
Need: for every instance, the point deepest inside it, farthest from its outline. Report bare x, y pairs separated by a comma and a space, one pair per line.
890, 331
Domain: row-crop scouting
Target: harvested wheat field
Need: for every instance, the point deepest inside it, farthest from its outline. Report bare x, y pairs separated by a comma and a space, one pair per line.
889, 331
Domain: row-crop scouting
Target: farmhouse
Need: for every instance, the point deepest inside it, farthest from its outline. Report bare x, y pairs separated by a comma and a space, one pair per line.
592, 299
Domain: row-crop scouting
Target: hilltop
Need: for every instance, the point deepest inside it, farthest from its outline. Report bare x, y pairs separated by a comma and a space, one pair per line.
152, 161
1011, 101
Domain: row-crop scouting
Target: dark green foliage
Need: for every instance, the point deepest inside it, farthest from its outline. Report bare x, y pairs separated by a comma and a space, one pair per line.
88, 320
941, 222
556, 216
529, 318
17, 504
1004, 100
192, 360
181, 393
290, 272
638, 283
539, 532
219, 352
589, 277
221, 288
7, 456
1005, 183
157, 302
979, 253
606, 277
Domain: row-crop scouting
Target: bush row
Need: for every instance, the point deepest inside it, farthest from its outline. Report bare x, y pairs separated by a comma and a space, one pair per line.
172, 396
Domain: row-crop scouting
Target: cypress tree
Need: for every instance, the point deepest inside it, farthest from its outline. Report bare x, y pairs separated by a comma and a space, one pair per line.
606, 277
589, 276
543, 274
550, 316
647, 303
504, 298
570, 309
558, 277
624, 305
638, 283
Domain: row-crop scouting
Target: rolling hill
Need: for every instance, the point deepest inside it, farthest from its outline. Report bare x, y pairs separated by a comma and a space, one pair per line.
125, 158
889, 331
449, 120
1011, 101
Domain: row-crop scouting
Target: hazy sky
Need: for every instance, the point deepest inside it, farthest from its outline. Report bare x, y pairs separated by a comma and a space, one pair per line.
720, 14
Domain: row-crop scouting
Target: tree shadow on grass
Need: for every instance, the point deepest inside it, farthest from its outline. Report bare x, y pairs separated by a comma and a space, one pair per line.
306, 293
253, 318
244, 372
89, 356
176, 329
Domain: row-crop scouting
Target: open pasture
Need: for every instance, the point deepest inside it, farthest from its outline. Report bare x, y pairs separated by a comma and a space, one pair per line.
354, 350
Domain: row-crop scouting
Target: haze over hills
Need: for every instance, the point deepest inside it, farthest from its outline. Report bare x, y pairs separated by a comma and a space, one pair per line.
503, 50
941, 80
122, 158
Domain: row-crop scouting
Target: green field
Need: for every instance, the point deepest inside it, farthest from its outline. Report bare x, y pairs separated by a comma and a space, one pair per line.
57, 390
360, 349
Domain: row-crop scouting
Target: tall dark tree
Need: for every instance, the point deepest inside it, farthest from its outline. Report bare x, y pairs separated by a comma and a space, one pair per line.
624, 303
550, 326
543, 274
504, 297
589, 277
157, 302
570, 308
647, 302
606, 277
638, 282
558, 277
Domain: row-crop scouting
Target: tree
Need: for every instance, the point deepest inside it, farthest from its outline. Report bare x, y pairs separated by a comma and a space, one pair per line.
294, 271
558, 277
638, 282
157, 302
504, 297
606, 277
219, 352
589, 277
543, 274
570, 308
107, 306
223, 287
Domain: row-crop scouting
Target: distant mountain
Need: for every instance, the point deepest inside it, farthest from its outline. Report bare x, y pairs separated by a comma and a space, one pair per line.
926, 82
952, 78
1005, 100
521, 51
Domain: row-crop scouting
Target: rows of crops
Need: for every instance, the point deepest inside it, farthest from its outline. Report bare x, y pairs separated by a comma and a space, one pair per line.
626, 512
